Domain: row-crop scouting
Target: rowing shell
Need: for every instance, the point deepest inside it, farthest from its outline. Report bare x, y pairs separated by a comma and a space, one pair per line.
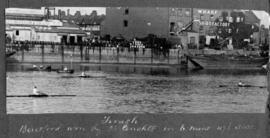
246, 86
86, 76
31, 95
65, 71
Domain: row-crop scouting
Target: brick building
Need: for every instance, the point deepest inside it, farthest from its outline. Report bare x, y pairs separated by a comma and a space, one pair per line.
179, 25
136, 22
131, 22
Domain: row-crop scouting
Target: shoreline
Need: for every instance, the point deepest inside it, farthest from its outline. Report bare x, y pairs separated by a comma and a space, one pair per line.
98, 64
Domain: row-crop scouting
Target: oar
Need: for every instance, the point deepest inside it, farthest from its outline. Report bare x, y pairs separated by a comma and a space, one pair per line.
223, 85
243, 86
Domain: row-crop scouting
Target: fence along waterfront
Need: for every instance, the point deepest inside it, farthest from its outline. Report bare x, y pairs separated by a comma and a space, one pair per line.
60, 53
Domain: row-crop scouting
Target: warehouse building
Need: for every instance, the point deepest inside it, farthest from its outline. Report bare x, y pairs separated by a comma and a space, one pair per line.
31, 25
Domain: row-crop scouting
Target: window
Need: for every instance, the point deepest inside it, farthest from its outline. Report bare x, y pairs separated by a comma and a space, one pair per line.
17, 32
230, 31
187, 12
201, 28
230, 19
242, 19
172, 12
126, 11
192, 40
125, 23
238, 19
172, 26
180, 13
220, 18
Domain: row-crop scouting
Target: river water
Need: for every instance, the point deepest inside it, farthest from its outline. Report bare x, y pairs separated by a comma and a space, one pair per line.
136, 89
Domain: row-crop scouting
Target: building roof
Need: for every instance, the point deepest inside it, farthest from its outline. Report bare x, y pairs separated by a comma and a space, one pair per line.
24, 17
22, 11
70, 24
34, 22
251, 18
24, 14
57, 30
69, 27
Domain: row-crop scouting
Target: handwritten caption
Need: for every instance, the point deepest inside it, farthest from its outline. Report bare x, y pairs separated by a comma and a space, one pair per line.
110, 124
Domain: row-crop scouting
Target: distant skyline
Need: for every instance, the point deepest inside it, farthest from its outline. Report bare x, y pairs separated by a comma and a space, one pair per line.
83, 10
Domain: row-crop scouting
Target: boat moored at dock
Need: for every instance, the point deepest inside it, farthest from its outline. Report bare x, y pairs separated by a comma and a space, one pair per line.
227, 62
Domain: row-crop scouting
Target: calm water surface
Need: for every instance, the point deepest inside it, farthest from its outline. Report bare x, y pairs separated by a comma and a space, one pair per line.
123, 89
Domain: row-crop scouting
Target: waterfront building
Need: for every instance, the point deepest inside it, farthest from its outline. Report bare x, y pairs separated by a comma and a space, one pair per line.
32, 25
252, 20
185, 26
133, 22
139, 22
91, 26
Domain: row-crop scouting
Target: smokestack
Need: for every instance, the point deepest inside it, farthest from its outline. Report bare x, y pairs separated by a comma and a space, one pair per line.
54, 13
59, 14
68, 12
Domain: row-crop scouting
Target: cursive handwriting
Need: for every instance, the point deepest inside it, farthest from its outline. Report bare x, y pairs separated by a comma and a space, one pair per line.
109, 124
29, 129
144, 128
109, 120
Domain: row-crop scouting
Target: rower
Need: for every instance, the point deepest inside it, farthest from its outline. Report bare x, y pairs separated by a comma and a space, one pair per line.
36, 92
83, 74
240, 84
65, 68
34, 66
